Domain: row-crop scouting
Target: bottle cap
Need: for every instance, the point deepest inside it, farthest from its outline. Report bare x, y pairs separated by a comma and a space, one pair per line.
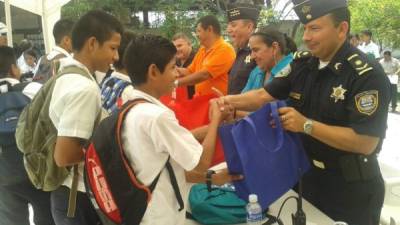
339, 223
253, 198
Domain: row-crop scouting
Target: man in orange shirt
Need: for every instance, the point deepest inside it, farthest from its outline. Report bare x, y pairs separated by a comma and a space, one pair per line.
212, 62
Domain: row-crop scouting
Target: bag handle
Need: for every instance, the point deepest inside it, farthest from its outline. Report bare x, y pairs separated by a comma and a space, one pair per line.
279, 129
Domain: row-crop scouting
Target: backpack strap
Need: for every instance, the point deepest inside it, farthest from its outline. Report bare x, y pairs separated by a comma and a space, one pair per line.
74, 187
73, 193
121, 118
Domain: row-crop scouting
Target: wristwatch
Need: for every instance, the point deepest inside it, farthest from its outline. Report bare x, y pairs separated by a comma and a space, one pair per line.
308, 126
209, 179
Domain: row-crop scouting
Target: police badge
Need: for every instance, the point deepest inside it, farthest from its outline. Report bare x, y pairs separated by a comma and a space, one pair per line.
338, 93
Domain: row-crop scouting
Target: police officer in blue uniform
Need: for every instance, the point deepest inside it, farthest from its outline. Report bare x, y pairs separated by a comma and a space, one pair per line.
242, 21
338, 101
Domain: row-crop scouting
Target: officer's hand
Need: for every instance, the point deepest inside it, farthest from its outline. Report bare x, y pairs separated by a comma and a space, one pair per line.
223, 101
291, 119
223, 176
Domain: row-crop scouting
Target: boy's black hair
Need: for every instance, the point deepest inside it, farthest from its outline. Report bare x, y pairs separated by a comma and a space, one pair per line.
61, 29
210, 20
387, 52
146, 50
367, 32
30, 52
7, 58
126, 38
95, 23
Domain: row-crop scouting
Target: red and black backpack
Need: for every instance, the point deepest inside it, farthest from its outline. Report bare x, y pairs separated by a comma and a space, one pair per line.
109, 178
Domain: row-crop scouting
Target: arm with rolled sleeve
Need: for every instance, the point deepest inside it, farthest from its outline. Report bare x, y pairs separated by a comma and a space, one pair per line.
77, 120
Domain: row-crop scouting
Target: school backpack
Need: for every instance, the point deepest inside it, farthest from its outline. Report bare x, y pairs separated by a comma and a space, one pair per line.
12, 102
220, 206
36, 136
46, 68
109, 178
111, 91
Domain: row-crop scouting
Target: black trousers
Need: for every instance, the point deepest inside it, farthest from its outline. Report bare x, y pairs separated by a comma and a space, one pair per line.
393, 88
85, 214
357, 203
14, 201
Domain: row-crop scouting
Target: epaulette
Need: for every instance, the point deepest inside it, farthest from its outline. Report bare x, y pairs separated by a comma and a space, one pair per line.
301, 55
360, 65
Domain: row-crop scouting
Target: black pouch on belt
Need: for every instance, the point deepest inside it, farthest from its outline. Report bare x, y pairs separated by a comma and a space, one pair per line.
359, 167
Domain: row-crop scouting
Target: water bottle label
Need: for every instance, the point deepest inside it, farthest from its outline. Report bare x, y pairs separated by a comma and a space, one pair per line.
254, 217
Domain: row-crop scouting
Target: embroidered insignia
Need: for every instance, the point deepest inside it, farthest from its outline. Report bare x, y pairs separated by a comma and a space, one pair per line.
367, 102
247, 60
234, 12
295, 95
359, 65
284, 72
338, 93
306, 9
309, 16
338, 65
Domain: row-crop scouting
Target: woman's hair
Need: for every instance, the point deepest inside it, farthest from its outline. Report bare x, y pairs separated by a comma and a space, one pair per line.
270, 35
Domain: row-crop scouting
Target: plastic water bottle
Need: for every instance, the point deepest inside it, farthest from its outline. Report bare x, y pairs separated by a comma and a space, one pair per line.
254, 211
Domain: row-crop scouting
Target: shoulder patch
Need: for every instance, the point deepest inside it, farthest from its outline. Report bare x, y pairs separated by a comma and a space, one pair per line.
367, 102
284, 72
301, 55
359, 64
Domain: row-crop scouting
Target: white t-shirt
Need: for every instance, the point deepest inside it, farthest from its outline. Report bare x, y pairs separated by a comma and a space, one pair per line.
391, 67
150, 134
74, 107
29, 90
56, 51
370, 48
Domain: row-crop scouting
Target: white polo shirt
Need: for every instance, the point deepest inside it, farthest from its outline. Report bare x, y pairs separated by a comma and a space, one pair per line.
370, 48
74, 107
150, 134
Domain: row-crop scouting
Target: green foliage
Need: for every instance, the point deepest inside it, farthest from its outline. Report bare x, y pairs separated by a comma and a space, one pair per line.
382, 17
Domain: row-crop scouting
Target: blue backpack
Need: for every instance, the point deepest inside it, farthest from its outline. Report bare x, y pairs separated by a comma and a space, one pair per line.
12, 102
111, 90
220, 206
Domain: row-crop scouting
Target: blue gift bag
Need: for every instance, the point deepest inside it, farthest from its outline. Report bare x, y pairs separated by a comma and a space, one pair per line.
269, 158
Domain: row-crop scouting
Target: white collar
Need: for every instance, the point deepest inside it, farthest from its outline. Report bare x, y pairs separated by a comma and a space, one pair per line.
121, 76
69, 61
57, 50
140, 94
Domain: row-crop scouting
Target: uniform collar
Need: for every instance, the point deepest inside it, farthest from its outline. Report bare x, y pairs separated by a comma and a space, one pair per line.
337, 62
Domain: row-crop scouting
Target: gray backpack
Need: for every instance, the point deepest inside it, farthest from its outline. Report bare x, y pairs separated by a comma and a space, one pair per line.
36, 138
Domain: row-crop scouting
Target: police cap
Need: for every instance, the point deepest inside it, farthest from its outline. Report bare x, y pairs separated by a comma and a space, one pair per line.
308, 10
243, 11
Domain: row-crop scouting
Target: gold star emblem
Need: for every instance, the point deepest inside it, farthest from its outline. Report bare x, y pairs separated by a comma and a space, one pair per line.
247, 60
338, 93
358, 62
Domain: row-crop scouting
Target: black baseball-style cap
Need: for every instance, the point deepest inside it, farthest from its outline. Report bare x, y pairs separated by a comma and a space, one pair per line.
308, 10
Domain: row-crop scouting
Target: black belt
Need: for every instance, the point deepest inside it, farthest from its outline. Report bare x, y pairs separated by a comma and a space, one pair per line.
354, 167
